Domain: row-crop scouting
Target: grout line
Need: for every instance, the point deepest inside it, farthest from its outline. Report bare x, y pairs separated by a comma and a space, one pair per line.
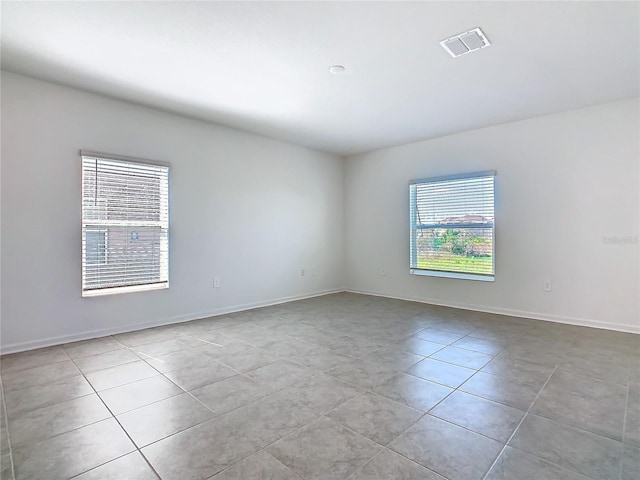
624, 429
6, 426
210, 343
425, 413
119, 424
356, 337
263, 449
364, 465
386, 447
520, 423
149, 356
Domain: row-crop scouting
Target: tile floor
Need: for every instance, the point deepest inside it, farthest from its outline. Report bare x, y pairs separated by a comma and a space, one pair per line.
343, 386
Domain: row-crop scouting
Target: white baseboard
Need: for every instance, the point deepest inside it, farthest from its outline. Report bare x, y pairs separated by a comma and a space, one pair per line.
47, 342
582, 322
87, 335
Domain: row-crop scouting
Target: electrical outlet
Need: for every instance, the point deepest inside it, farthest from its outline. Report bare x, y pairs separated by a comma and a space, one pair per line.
302, 272
216, 282
383, 271
314, 271
546, 285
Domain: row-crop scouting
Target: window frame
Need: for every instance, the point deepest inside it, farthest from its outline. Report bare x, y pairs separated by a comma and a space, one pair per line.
89, 225
413, 229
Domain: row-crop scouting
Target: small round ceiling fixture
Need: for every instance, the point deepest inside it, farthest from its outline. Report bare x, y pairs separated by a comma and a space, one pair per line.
336, 69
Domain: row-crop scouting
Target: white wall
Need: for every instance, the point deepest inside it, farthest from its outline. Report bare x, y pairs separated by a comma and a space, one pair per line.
248, 209
254, 211
564, 182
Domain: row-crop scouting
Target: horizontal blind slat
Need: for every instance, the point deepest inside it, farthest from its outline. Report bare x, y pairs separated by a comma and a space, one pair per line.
452, 225
125, 211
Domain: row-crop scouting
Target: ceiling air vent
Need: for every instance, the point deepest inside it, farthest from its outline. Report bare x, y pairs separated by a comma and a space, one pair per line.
465, 42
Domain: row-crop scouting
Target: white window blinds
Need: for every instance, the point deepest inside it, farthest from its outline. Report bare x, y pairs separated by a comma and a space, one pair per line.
452, 226
125, 225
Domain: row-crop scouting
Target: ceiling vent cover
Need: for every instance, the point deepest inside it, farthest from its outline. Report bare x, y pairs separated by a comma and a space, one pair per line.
465, 42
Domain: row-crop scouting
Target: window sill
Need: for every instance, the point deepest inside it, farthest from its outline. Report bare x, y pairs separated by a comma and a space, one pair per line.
458, 275
100, 292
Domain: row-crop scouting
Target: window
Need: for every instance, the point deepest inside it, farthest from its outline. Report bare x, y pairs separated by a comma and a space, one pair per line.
452, 226
125, 225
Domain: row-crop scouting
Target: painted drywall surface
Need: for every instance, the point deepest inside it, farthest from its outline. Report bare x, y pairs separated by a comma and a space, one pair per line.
567, 210
250, 210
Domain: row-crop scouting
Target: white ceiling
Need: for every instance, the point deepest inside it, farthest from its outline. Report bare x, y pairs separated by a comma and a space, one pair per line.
263, 66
